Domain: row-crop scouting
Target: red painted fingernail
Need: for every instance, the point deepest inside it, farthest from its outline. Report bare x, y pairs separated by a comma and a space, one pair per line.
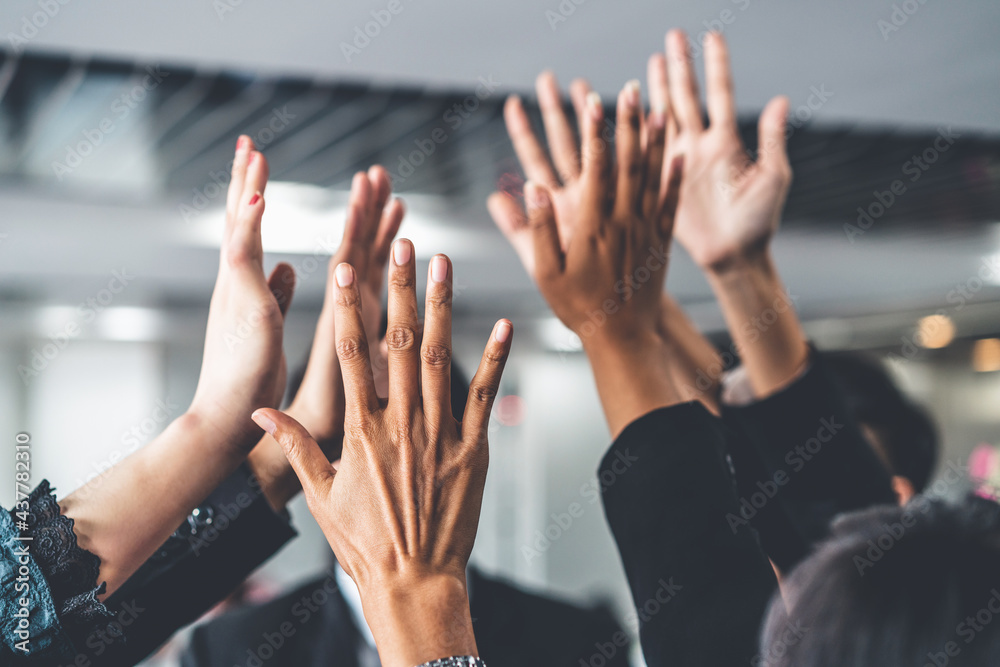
241, 143
253, 156
255, 198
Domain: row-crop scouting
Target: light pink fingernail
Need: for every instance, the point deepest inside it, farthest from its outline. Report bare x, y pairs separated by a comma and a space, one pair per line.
595, 106
439, 269
345, 275
401, 252
503, 332
262, 420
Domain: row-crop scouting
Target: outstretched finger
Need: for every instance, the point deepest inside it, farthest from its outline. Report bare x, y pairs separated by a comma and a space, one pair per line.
683, 83
237, 177
562, 141
528, 148
435, 346
402, 335
303, 453
509, 216
719, 84
486, 384
595, 158
629, 147
352, 345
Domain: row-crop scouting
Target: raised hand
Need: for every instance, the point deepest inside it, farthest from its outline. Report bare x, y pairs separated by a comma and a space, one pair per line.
730, 205
243, 368
606, 284
401, 509
372, 222
243, 365
564, 187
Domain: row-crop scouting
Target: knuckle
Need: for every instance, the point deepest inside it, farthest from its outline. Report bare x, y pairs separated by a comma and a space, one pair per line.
436, 356
440, 300
400, 338
403, 280
483, 393
352, 348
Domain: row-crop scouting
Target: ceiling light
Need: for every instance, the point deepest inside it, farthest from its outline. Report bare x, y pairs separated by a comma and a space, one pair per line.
935, 332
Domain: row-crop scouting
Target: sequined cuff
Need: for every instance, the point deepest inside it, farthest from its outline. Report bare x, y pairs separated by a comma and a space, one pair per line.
456, 661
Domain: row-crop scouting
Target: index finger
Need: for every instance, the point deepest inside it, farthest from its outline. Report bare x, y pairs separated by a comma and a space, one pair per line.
352, 345
528, 148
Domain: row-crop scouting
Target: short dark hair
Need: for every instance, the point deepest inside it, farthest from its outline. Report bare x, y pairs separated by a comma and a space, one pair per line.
895, 587
906, 438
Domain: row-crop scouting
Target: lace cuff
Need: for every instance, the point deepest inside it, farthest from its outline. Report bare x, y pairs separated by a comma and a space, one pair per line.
71, 572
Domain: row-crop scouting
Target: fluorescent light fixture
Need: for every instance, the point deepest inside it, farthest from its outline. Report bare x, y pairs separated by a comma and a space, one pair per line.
309, 220
129, 324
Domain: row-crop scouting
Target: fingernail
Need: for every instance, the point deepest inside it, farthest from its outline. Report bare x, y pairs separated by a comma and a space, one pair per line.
594, 105
253, 156
632, 90
401, 252
535, 195
255, 198
261, 420
439, 269
241, 143
345, 275
502, 332
516, 99
658, 117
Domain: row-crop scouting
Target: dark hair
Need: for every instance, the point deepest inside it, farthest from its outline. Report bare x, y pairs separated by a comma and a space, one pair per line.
905, 436
895, 587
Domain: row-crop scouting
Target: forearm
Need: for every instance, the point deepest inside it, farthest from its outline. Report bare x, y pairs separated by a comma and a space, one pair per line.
419, 622
632, 376
762, 322
124, 515
694, 363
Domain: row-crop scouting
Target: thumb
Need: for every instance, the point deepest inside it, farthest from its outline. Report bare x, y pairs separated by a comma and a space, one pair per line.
509, 217
544, 232
282, 285
303, 453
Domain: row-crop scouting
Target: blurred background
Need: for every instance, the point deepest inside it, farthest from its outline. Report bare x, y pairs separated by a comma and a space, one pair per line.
118, 121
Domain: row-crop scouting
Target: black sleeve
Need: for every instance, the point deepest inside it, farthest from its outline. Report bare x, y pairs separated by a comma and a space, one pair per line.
801, 460
223, 541
700, 586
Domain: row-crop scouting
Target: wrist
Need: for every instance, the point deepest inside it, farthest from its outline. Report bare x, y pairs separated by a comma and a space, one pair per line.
418, 618
738, 265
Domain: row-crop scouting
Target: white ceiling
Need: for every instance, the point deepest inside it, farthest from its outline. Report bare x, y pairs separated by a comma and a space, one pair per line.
940, 68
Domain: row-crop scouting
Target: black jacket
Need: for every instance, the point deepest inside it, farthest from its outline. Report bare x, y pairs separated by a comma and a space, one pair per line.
312, 626
800, 460
232, 533
700, 585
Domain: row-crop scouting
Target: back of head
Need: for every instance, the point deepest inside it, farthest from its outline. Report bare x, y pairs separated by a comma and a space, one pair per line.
895, 587
903, 433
